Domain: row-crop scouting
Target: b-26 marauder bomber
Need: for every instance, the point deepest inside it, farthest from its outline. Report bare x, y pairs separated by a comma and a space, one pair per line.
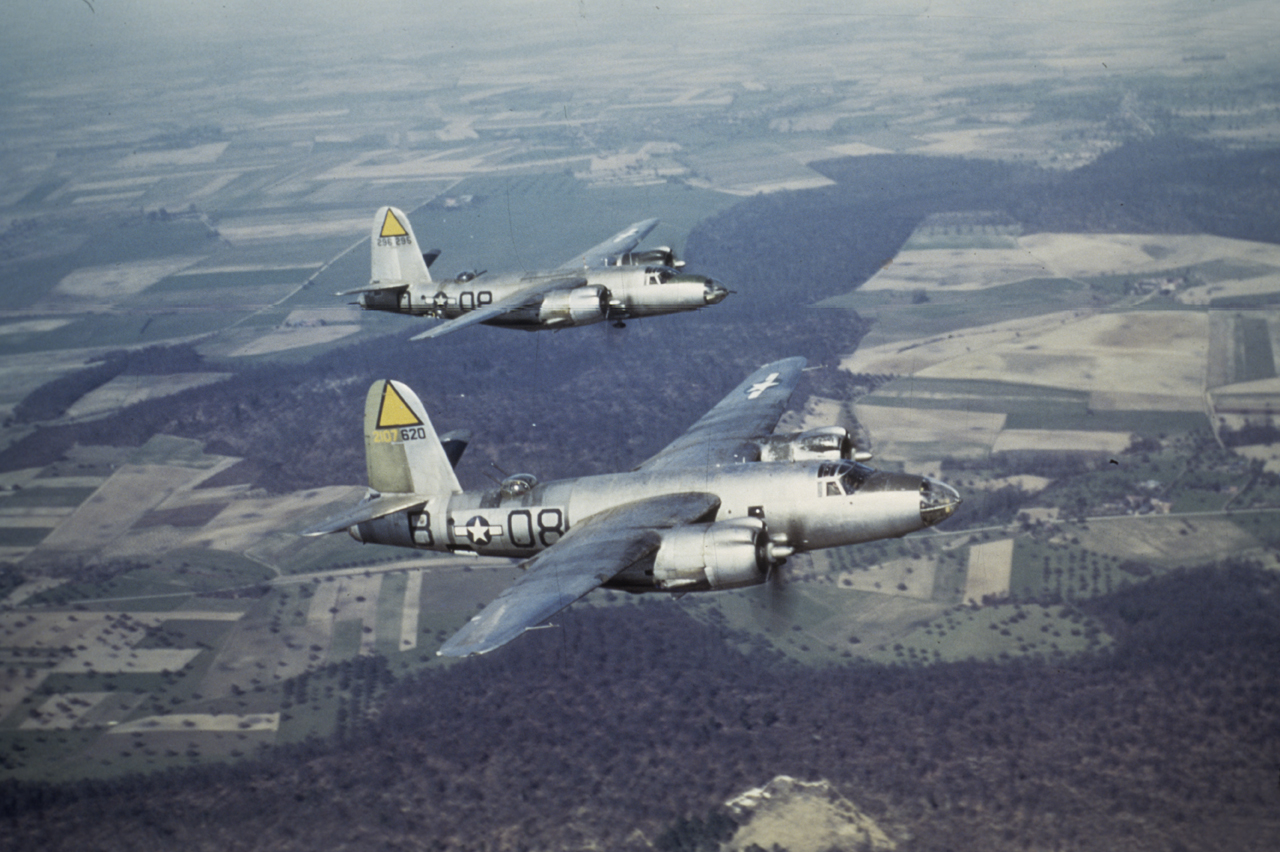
721, 507
610, 282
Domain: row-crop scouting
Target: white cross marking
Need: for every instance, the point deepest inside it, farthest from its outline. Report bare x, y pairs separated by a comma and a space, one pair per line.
760, 387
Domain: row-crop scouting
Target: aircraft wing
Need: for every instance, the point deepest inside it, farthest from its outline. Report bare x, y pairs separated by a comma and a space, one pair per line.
749, 412
620, 243
519, 299
590, 554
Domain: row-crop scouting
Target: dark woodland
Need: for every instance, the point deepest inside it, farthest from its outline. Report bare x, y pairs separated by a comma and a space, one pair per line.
628, 721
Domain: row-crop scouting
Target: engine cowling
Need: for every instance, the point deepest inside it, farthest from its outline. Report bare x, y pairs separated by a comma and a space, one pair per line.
579, 306
661, 255
721, 555
827, 442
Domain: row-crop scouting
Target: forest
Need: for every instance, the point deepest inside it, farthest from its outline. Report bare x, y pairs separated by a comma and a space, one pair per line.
299, 425
634, 721
835, 237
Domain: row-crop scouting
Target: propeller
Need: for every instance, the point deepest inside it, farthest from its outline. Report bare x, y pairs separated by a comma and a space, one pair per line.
779, 605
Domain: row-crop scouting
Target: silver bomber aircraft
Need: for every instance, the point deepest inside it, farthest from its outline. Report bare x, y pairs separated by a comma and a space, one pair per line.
721, 507
610, 282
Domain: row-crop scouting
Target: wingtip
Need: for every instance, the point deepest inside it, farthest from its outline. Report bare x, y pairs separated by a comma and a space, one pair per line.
460, 651
322, 528
799, 362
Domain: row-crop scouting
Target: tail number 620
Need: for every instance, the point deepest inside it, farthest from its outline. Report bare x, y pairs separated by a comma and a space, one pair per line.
393, 436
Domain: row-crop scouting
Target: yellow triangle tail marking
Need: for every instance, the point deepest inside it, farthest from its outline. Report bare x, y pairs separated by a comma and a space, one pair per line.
395, 412
391, 227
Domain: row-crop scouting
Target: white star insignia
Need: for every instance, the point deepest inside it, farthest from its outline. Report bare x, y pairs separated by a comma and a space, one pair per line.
478, 530
760, 387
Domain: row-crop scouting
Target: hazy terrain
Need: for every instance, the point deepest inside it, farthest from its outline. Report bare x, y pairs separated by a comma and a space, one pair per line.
1035, 253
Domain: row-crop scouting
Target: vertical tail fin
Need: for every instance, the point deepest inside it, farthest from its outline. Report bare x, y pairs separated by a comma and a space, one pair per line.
396, 257
402, 451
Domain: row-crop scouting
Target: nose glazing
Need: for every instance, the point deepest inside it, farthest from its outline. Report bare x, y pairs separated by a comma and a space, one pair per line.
713, 292
938, 501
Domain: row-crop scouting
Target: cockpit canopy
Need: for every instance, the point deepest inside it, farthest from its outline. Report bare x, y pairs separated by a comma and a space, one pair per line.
838, 478
659, 274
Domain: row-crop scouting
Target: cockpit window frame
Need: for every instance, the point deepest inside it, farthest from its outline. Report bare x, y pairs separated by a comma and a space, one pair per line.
659, 274
846, 475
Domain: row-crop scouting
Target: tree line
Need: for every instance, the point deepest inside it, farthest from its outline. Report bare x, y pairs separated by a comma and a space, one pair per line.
299, 426
634, 721
791, 248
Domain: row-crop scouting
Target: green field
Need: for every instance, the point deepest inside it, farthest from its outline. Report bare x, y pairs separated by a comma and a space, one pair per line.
36, 497
391, 600
996, 632
899, 316
1253, 357
1067, 572
23, 536
1264, 525
1261, 301
1229, 269
162, 582
978, 395
236, 280
1141, 422
187, 633
170, 450
118, 330
990, 240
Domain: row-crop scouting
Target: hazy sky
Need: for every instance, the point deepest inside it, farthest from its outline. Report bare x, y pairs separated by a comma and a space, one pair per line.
566, 42
72, 24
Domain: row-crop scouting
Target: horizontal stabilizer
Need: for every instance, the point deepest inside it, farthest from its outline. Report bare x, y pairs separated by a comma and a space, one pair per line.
455, 444
382, 286
368, 509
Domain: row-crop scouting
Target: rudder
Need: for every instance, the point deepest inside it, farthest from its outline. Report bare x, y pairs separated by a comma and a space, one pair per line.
403, 454
396, 259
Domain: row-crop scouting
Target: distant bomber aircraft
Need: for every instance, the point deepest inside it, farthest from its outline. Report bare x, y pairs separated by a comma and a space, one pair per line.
608, 282
721, 507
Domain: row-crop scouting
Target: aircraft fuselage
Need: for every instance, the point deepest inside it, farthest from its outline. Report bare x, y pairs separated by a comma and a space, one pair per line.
610, 293
794, 507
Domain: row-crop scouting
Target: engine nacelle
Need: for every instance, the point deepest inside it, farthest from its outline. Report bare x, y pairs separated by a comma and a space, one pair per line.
661, 255
721, 555
827, 442
579, 306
